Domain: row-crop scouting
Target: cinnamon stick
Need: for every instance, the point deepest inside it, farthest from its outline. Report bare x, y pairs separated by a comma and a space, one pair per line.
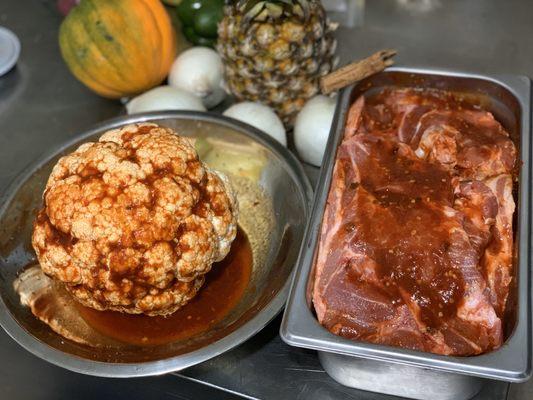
356, 71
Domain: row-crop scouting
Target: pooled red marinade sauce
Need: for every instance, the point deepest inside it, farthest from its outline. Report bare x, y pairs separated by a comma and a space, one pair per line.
224, 287
416, 242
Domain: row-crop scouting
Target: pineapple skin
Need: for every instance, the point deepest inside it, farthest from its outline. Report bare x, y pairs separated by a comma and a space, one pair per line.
277, 62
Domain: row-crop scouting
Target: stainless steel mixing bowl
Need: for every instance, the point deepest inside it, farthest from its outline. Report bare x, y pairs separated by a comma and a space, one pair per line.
241, 151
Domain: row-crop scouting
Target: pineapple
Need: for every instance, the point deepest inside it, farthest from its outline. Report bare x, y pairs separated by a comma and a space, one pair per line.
275, 51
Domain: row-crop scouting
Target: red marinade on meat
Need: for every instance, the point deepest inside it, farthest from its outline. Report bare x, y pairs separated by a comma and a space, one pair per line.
416, 242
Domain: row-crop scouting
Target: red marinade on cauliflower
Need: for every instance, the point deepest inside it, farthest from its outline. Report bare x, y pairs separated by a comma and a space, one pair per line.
133, 222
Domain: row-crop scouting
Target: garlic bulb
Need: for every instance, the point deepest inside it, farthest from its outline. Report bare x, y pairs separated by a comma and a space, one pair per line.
199, 70
312, 126
260, 117
164, 98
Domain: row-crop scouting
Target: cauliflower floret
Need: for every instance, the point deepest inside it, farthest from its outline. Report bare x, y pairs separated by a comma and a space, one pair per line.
133, 222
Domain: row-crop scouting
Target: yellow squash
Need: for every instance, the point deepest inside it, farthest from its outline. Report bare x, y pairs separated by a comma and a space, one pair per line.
118, 47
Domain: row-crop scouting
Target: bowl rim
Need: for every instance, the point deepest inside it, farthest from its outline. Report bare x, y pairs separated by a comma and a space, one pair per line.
176, 363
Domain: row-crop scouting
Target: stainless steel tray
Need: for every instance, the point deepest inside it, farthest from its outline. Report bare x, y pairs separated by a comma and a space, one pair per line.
508, 98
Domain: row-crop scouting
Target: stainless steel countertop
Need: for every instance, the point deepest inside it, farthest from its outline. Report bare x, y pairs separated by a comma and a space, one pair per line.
41, 105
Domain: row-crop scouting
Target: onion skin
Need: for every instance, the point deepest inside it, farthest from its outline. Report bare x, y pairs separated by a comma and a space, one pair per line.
199, 70
260, 117
164, 98
312, 127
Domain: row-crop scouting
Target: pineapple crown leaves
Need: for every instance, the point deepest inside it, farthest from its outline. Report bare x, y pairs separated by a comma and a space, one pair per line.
263, 10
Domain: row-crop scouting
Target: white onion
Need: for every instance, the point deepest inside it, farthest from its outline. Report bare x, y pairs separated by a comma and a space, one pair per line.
164, 98
312, 126
199, 70
260, 117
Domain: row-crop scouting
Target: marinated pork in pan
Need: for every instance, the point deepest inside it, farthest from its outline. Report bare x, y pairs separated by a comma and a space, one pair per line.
416, 241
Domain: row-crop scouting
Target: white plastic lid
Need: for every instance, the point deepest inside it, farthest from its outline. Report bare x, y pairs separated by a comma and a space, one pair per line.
9, 50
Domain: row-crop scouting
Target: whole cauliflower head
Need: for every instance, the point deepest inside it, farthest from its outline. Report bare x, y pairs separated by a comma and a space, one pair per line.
133, 222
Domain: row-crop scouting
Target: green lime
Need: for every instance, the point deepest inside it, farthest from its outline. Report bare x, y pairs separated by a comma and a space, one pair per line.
190, 34
207, 19
207, 42
192, 37
187, 10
